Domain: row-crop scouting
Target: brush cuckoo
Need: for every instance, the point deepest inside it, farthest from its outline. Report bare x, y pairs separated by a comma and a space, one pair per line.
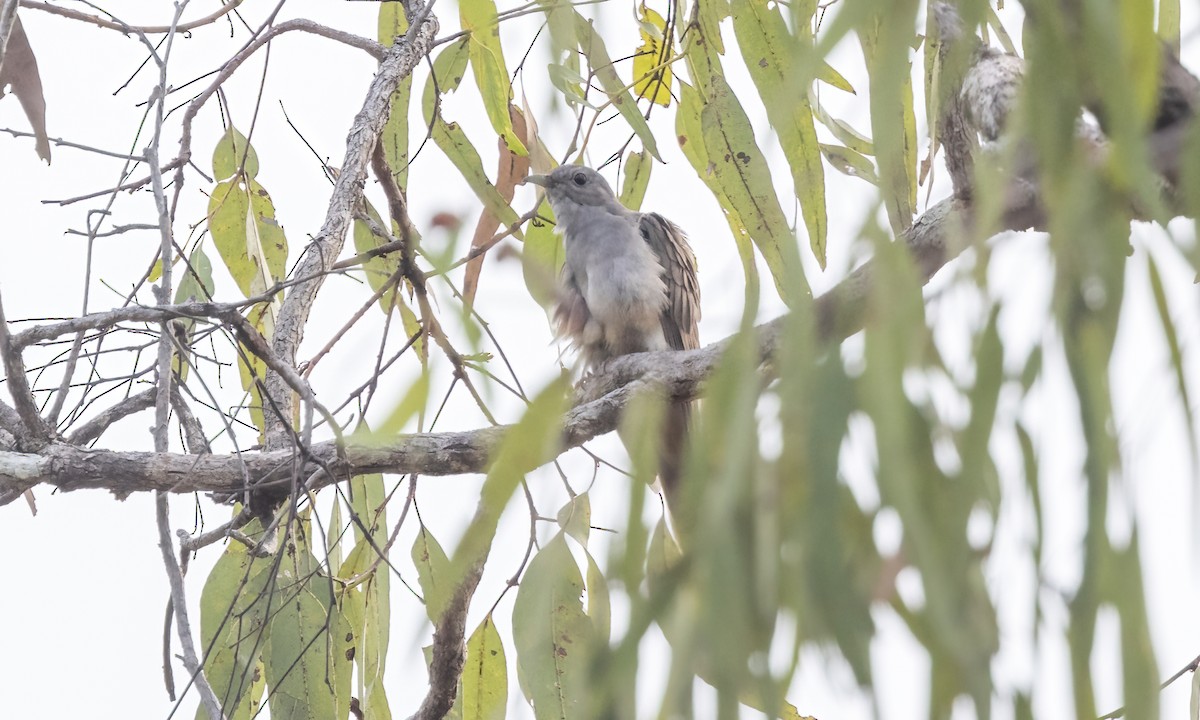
628, 285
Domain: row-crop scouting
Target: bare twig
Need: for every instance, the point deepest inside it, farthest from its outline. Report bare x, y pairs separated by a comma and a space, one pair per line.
67, 143
190, 544
224, 10
166, 378
95, 427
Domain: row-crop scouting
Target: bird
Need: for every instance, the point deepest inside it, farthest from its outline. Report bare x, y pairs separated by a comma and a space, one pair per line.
628, 285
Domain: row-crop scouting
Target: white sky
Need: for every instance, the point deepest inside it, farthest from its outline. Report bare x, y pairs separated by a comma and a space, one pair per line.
86, 590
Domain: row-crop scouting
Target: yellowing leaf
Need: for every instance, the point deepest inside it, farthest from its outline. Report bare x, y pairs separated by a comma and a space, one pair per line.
768, 49
485, 675
690, 134
251, 368
614, 88
241, 219
433, 572
830, 76
232, 149
487, 63
380, 269
744, 178
651, 70
447, 74
542, 257
637, 178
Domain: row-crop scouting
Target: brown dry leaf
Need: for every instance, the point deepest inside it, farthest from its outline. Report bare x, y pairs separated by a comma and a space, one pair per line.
20, 70
513, 168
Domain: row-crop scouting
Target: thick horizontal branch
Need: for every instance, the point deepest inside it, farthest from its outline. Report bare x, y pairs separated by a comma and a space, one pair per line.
451, 453
934, 239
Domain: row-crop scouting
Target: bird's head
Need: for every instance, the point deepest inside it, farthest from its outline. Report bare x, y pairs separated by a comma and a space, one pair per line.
575, 185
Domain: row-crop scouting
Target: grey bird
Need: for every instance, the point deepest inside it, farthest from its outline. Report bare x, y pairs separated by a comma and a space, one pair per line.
628, 285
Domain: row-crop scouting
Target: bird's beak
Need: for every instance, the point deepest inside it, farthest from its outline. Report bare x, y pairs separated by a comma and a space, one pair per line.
543, 180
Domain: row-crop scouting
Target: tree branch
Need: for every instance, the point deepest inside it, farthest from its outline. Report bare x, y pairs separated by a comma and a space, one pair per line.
127, 29
18, 383
320, 255
95, 427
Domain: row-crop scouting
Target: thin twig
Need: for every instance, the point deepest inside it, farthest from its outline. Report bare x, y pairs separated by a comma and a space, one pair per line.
128, 29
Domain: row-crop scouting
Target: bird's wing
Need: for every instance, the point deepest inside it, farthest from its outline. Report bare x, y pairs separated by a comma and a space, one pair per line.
682, 313
571, 312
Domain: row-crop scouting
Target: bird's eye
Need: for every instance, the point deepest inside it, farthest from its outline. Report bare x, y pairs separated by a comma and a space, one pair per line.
580, 179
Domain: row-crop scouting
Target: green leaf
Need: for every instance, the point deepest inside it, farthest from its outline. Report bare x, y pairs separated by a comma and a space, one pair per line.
485, 675
663, 555
196, 285
651, 81
745, 181
560, 19
487, 63
1168, 24
1140, 682
307, 656
447, 74
380, 269
830, 76
1177, 361
393, 24
197, 281
367, 611
433, 572
637, 178
711, 14
599, 606
233, 615
459, 150
251, 368
334, 535
849, 162
554, 638
229, 153
542, 257
843, 131
886, 47
568, 82
691, 140
978, 472
241, 219
614, 88
769, 51
575, 518
368, 500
